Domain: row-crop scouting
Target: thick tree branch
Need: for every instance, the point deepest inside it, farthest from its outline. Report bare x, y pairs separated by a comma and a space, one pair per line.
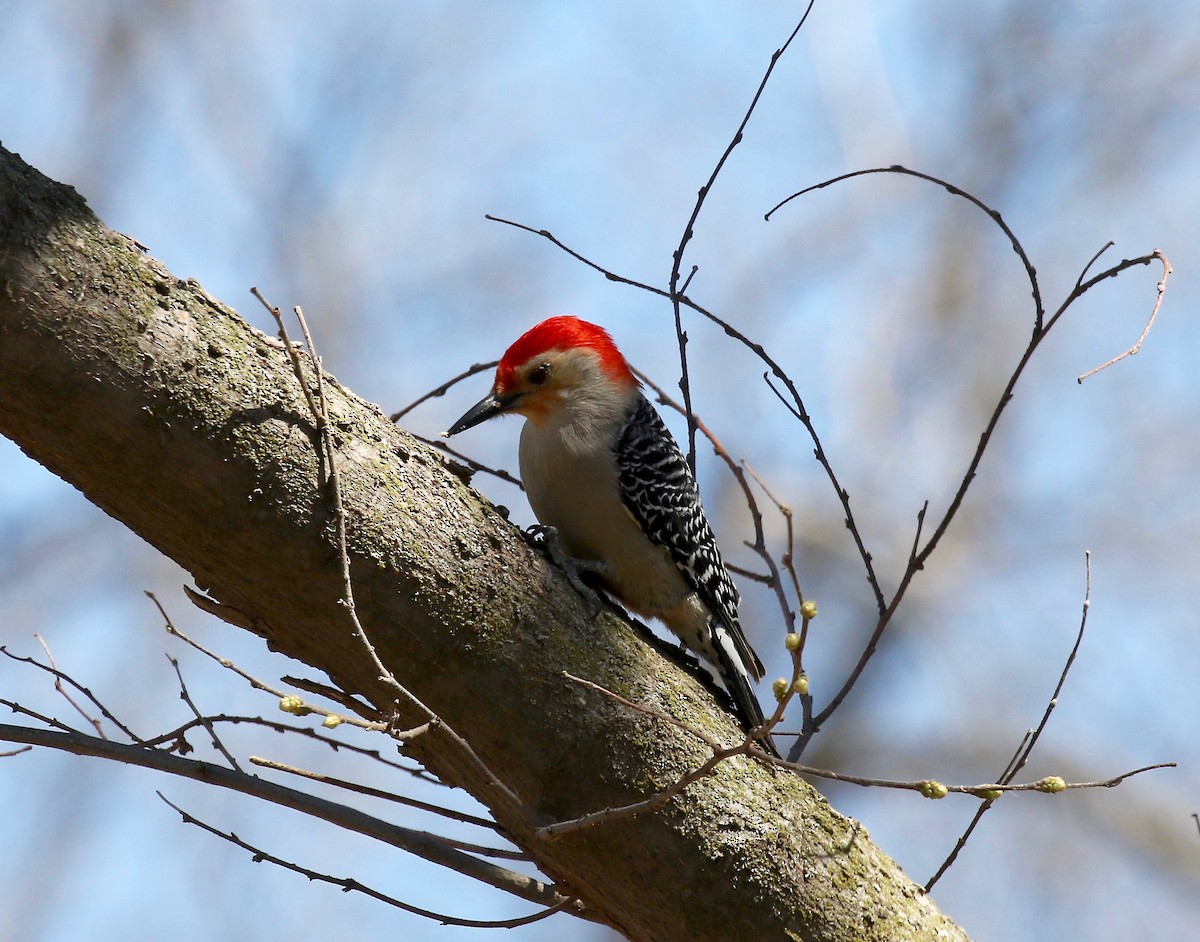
168, 411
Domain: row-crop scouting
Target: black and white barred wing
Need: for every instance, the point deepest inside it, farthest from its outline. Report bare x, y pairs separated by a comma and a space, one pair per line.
658, 488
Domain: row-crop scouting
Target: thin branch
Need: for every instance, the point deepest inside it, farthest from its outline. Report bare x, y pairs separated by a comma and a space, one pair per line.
58, 686
1132, 351
223, 661
441, 390
440, 444
1029, 740
324, 779
336, 745
928, 788
414, 842
801, 414
320, 411
916, 543
348, 884
1030, 272
467, 846
789, 555
1092, 261
1062, 677
553, 240
655, 802
660, 798
676, 292
201, 719
21, 710
59, 676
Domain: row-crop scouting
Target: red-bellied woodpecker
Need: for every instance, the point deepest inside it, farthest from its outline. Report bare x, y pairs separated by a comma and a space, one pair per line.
602, 472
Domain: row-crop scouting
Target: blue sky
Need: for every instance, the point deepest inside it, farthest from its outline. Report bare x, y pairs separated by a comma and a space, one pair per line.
343, 158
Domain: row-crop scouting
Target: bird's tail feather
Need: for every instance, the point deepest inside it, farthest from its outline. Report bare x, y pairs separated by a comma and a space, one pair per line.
737, 682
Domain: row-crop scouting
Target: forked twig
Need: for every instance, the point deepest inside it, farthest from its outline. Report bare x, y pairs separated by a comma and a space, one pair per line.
506, 476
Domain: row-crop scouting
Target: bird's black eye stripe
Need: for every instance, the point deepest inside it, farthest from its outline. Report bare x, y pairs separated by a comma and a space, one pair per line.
540, 374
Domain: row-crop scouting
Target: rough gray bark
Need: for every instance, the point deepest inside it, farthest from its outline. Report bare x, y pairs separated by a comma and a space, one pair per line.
167, 410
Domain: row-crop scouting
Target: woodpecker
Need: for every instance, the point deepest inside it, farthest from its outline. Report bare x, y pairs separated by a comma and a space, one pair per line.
606, 478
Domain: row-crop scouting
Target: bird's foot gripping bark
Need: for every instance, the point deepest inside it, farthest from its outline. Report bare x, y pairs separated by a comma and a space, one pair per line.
574, 568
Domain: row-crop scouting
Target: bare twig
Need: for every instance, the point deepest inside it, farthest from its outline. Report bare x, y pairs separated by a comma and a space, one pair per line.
60, 678
1158, 300
505, 476
443, 389
1062, 677
1030, 272
21, 710
660, 798
293, 351
224, 662
324, 779
654, 803
348, 884
58, 686
201, 719
1029, 740
337, 745
789, 555
928, 788
676, 293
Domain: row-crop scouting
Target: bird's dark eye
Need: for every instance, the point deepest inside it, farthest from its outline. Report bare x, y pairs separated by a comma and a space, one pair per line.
539, 374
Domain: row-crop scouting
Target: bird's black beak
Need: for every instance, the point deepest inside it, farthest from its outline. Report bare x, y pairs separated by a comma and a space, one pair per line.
488, 406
